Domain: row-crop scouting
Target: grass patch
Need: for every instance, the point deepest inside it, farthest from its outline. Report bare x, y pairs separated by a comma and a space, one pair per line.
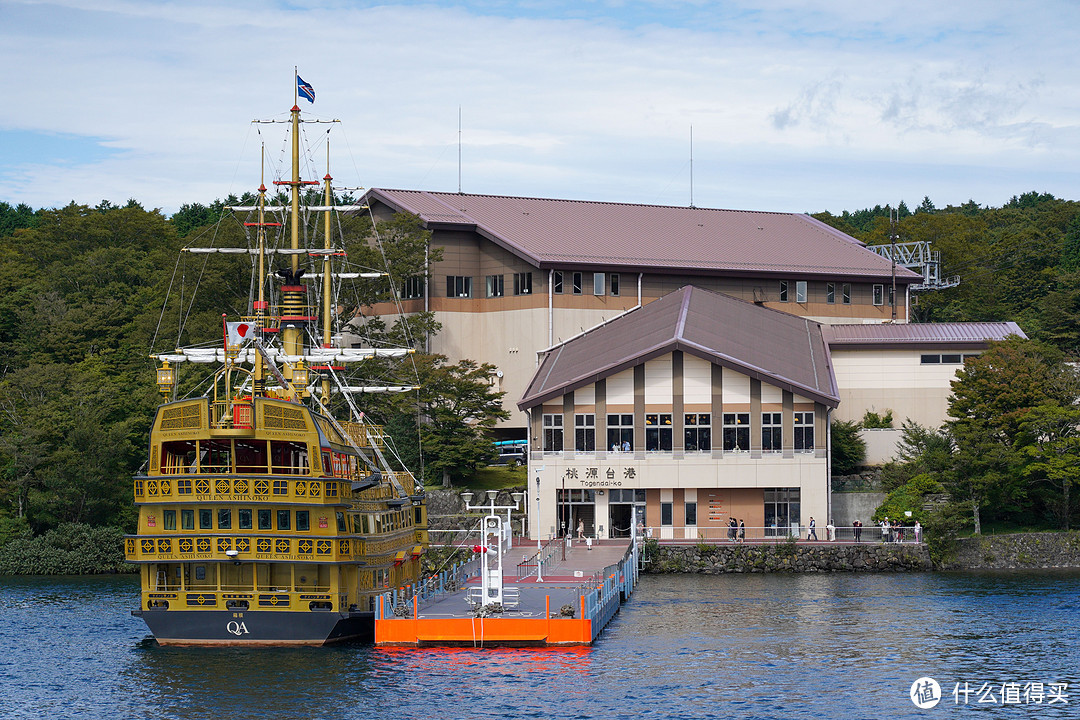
495, 477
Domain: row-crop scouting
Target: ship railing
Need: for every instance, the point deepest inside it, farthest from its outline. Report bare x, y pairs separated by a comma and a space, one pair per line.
546, 558
231, 414
364, 435
187, 487
399, 601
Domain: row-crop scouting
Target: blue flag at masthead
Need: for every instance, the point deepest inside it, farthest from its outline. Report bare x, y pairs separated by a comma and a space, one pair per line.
306, 91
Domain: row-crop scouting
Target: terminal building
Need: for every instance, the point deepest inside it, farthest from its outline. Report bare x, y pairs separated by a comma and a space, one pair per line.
675, 367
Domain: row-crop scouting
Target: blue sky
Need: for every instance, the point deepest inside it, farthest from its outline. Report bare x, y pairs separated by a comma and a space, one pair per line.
795, 106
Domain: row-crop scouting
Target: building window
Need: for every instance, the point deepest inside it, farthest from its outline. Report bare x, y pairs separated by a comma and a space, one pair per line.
800, 291
598, 283
782, 510
658, 432
412, 287
697, 429
845, 293
494, 286
666, 513
945, 359
265, 517
224, 519
737, 432
879, 294
804, 432
771, 432
620, 432
523, 283
187, 519
243, 518
783, 291
830, 293
691, 513
169, 519
553, 433
206, 519
585, 433
283, 518
458, 286
614, 284
556, 282
577, 283
303, 520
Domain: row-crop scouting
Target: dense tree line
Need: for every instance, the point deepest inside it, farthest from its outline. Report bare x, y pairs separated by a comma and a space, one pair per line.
88, 293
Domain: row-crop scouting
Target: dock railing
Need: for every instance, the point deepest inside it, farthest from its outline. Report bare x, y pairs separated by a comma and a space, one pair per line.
544, 559
689, 534
399, 601
605, 591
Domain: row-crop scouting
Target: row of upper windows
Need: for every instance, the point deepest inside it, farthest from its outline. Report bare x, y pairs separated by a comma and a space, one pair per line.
574, 283
697, 432
246, 519
834, 292
277, 519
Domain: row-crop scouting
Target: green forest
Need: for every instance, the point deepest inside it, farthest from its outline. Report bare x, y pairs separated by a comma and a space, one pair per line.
83, 304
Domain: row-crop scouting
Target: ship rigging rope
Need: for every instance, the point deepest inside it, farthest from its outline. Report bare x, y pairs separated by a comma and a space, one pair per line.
405, 328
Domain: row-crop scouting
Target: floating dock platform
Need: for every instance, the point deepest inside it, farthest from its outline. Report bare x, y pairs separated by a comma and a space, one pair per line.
547, 600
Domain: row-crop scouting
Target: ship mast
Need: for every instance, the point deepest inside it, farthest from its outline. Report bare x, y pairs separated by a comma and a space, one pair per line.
327, 200
258, 383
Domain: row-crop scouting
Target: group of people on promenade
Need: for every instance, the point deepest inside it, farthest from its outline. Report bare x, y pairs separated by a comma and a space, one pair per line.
736, 530
891, 531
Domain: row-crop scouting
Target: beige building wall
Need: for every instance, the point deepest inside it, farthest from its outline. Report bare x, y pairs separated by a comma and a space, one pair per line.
894, 380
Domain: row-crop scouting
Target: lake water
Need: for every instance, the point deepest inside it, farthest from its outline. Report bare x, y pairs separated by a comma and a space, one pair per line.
738, 646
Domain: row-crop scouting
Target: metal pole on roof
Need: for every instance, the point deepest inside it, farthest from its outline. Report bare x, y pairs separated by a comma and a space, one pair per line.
691, 166
892, 254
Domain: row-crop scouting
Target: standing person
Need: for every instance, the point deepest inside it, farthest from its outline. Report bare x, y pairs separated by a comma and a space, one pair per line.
858, 530
885, 530
731, 530
830, 532
580, 529
742, 530
918, 532
626, 446
813, 532
899, 531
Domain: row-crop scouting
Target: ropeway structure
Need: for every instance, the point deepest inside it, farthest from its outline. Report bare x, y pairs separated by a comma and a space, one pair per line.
918, 256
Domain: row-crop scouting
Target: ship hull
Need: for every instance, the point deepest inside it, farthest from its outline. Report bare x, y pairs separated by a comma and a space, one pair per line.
226, 627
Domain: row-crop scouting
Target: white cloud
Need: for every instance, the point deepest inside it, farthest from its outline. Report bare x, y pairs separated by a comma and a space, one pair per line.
795, 106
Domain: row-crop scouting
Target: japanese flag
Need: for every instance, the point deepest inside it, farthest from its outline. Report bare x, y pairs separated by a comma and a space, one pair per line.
238, 332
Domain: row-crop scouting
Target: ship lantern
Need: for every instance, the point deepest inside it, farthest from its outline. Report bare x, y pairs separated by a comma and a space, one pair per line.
166, 378
300, 376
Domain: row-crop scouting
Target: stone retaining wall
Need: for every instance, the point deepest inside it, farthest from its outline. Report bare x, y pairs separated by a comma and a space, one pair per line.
1020, 550
788, 557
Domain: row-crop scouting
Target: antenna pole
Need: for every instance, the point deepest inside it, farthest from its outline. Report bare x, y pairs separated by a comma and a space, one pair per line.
691, 166
892, 254
459, 149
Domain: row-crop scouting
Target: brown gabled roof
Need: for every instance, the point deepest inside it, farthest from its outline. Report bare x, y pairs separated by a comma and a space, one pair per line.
777, 348
966, 335
560, 233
